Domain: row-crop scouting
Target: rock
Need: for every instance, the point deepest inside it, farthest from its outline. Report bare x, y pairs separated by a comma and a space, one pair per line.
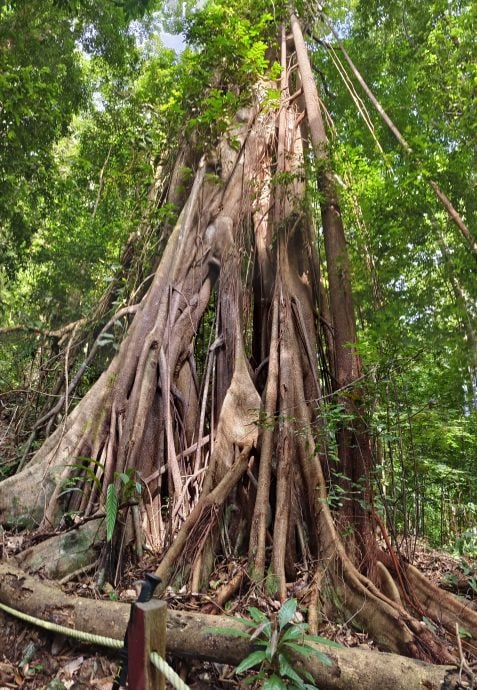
28, 653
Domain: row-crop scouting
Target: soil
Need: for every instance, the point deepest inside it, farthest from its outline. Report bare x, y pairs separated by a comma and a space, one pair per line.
30, 659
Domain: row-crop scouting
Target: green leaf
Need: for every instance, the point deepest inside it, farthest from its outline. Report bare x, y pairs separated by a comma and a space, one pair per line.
322, 640
307, 675
261, 643
111, 511
245, 621
286, 613
251, 660
257, 615
287, 670
298, 648
274, 683
324, 658
296, 632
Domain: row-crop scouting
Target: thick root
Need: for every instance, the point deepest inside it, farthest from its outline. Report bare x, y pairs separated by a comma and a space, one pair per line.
443, 607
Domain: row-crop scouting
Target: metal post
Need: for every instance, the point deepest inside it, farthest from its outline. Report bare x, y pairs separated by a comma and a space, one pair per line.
146, 634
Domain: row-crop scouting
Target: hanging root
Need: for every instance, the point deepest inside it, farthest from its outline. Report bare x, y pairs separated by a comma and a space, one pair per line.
207, 505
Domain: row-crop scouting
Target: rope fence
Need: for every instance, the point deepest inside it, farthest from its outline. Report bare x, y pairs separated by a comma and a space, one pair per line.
63, 630
169, 674
140, 655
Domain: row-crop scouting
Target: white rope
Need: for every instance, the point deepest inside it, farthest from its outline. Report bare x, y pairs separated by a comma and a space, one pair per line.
169, 674
160, 663
62, 629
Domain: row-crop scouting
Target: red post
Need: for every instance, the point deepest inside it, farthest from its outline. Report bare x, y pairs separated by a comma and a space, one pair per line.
146, 634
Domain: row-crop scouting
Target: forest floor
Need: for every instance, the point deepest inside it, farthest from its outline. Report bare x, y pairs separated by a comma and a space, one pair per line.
31, 658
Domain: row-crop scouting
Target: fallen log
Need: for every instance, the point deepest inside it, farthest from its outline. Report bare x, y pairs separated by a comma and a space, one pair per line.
190, 635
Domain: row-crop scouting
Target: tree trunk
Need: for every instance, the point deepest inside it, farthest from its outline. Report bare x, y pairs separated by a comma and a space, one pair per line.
353, 441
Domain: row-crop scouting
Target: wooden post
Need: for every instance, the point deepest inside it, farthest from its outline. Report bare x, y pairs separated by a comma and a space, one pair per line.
146, 634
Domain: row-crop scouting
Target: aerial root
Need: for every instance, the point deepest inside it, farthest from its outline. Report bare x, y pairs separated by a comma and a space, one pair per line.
262, 511
213, 501
226, 592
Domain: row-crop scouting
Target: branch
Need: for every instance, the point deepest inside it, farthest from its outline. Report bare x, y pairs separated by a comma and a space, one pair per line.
58, 334
72, 386
453, 214
82, 369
